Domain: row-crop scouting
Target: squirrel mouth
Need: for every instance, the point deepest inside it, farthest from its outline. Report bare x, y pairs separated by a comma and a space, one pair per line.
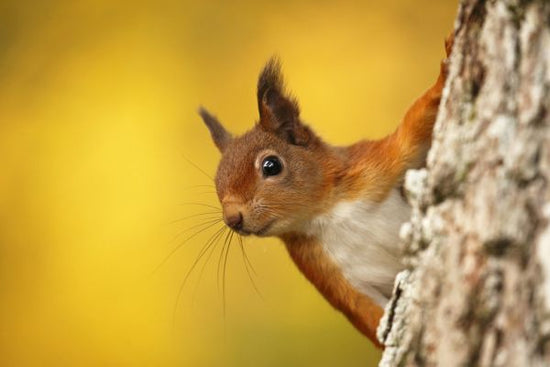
260, 233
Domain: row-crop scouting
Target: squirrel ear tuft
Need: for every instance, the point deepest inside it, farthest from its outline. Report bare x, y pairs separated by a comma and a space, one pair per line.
220, 136
270, 78
279, 113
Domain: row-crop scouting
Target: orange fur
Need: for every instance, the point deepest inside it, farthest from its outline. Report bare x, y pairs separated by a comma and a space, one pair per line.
319, 269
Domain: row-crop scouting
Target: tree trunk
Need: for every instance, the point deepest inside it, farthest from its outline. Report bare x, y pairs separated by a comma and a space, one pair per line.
477, 288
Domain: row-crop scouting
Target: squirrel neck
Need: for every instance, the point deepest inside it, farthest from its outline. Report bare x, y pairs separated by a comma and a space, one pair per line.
359, 170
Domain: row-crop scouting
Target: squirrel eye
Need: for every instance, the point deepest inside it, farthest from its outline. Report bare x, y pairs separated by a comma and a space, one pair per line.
271, 166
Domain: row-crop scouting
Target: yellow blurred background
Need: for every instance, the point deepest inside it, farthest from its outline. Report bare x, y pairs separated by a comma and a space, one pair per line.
98, 127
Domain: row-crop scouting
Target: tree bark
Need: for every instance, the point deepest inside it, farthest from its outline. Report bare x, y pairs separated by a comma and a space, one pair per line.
477, 288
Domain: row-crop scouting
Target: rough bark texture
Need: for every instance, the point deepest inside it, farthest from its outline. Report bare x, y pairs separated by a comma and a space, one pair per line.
477, 290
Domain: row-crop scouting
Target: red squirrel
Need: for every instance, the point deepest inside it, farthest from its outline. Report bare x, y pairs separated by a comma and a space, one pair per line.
338, 210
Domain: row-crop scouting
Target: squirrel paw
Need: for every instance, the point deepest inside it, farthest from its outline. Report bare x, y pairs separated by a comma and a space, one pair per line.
449, 41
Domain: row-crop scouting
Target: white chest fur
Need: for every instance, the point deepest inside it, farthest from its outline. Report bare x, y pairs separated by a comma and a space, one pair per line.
362, 238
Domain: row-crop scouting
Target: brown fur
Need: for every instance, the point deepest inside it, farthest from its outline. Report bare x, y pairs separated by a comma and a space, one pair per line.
313, 262
315, 177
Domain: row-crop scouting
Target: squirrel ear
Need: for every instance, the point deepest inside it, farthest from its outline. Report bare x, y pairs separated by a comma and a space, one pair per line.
220, 136
279, 113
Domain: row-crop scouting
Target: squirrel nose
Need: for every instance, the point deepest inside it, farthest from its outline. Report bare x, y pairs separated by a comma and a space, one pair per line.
234, 220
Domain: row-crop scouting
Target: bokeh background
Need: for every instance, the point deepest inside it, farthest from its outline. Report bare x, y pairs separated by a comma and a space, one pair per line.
102, 152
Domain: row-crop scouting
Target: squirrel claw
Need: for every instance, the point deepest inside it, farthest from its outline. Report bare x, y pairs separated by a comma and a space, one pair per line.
449, 42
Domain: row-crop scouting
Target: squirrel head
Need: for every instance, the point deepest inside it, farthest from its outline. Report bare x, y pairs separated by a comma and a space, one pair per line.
276, 176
